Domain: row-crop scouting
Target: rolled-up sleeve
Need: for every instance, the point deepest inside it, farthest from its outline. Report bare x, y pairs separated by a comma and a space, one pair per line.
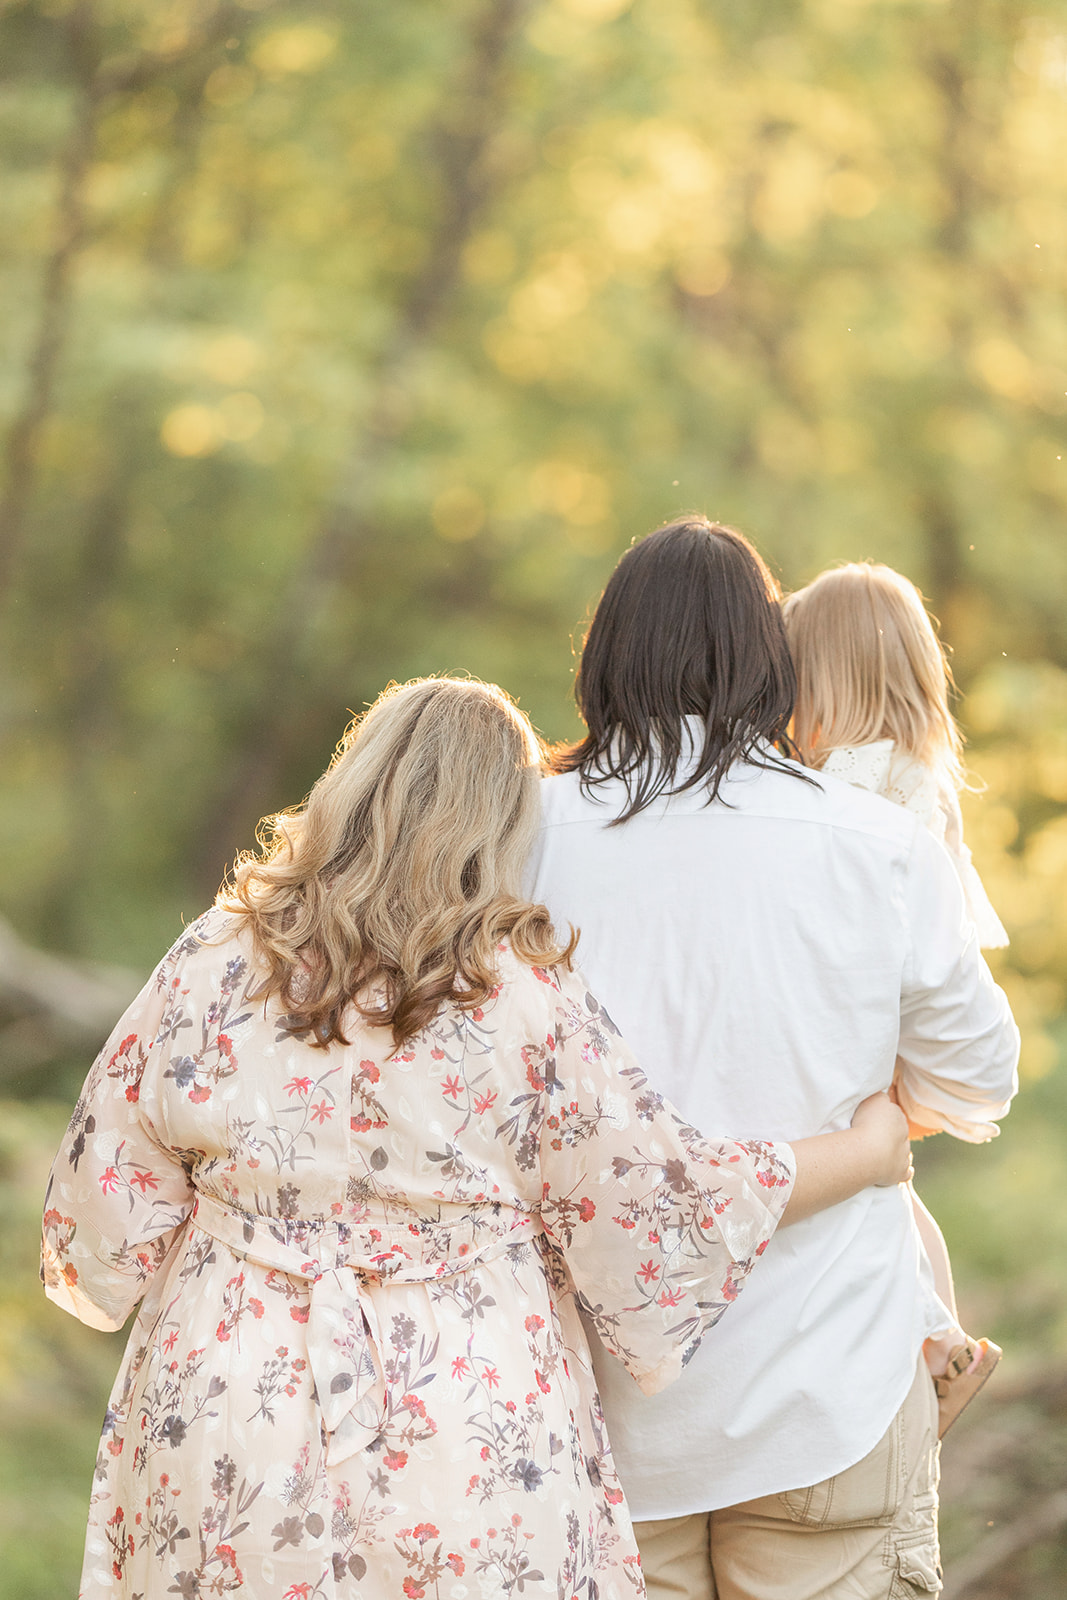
958, 1051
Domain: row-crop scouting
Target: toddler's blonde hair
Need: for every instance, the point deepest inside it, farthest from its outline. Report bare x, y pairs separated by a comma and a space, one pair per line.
870, 666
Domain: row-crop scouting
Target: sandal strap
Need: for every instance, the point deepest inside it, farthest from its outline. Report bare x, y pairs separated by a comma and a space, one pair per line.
960, 1359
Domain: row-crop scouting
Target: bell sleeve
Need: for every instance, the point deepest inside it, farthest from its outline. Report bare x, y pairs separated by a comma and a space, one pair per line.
117, 1199
658, 1226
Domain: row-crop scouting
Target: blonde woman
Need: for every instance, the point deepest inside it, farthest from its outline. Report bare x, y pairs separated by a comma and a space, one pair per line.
361, 1148
872, 707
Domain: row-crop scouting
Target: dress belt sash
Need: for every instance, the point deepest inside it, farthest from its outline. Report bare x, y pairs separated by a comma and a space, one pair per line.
344, 1341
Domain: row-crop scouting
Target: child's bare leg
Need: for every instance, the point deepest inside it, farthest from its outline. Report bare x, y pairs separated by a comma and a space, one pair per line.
937, 1252
939, 1347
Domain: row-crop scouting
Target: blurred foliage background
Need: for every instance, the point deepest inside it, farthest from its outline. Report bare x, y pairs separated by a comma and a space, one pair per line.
352, 339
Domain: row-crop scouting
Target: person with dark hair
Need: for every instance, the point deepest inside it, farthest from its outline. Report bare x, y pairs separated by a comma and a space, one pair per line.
359, 1149
776, 944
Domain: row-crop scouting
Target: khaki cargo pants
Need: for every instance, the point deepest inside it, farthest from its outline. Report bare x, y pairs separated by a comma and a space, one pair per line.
868, 1534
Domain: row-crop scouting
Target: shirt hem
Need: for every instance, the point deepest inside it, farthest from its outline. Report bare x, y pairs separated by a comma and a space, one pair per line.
754, 1491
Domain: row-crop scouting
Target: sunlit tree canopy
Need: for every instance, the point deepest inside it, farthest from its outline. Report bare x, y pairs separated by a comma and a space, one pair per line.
355, 340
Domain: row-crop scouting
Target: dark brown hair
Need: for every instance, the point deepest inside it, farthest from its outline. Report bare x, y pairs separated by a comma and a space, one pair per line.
689, 625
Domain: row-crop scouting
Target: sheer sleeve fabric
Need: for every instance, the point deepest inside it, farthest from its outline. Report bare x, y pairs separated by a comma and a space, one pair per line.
992, 934
659, 1227
117, 1199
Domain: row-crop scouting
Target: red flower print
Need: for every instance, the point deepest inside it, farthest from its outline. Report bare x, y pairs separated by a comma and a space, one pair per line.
145, 1181
320, 1112
256, 1307
425, 1530
300, 1313
483, 1103
543, 1383
456, 1562
297, 1591
109, 1180
729, 1290
395, 1459
453, 1087
226, 1554
298, 1086
459, 1366
369, 1071
437, 1053
533, 1323
649, 1271
360, 1124
199, 1093
613, 1496
771, 1180
133, 1093
222, 1333
412, 1590
670, 1297
491, 1376
586, 1209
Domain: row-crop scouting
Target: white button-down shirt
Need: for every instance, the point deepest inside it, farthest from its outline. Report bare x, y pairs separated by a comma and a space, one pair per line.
768, 958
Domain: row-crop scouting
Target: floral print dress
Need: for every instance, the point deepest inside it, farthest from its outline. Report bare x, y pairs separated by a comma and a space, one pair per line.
359, 1367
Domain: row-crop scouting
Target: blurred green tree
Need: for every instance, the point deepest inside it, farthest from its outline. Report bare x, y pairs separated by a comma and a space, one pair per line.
353, 341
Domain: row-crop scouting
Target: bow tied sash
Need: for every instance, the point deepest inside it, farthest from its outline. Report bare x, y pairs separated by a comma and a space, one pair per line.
341, 1264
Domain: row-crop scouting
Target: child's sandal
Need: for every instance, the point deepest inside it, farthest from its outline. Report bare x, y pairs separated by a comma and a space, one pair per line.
958, 1386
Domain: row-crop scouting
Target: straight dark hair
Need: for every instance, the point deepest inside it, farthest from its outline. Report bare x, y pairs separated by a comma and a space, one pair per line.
690, 624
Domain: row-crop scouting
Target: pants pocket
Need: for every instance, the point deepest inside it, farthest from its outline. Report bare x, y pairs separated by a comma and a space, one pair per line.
867, 1495
918, 1573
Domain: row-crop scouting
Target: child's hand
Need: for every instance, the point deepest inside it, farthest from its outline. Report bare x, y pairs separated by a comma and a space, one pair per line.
884, 1129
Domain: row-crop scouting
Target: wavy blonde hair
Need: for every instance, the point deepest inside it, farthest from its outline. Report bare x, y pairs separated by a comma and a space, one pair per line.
391, 888
870, 666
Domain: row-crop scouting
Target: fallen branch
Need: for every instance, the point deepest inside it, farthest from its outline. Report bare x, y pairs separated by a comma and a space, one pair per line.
58, 1004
